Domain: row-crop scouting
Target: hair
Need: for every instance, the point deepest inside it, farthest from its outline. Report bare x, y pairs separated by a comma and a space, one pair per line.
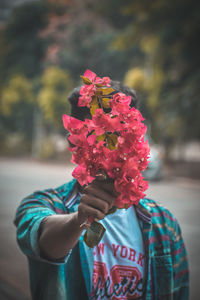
82, 113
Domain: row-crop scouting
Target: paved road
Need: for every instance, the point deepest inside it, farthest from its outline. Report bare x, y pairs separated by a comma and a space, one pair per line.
19, 178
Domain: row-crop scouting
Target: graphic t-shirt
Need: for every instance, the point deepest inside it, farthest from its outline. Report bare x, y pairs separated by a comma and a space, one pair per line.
119, 258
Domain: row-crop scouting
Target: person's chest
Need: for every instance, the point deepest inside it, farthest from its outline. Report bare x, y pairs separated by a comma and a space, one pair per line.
118, 269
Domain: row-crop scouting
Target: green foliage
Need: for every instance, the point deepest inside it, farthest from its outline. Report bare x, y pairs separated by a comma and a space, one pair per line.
52, 98
22, 48
87, 44
19, 101
151, 45
18, 90
135, 78
17, 105
168, 36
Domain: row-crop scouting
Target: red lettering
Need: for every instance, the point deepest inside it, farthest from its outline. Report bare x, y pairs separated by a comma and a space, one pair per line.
132, 254
140, 258
100, 248
124, 251
115, 248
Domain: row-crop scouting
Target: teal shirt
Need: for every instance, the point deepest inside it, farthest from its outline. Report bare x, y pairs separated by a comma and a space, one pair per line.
166, 264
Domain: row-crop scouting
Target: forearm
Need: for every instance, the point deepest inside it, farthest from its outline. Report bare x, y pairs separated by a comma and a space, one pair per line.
59, 234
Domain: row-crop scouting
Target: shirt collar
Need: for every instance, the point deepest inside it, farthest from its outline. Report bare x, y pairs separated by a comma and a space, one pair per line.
143, 211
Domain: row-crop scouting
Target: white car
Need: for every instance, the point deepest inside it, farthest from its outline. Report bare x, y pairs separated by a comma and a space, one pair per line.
154, 170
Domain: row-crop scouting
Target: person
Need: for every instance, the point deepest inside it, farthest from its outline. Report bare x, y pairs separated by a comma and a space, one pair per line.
140, 256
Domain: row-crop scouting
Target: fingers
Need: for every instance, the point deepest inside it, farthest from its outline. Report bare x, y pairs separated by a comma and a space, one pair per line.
107, 185
97, 199
96, 203
85, 211
99, 193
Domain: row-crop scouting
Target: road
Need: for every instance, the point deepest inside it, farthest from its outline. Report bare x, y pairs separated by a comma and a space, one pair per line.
19, 178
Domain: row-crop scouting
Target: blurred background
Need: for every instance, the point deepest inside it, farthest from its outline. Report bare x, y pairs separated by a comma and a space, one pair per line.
152, 46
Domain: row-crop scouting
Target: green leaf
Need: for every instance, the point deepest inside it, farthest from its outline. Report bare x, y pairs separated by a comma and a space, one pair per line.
101, 137
106, 90
86, 80
99, 85
112, 140
105, 102
93, 105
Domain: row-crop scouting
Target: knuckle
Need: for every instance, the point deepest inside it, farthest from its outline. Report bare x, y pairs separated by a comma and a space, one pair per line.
81, 208
83, 198
88, 189
99, 215
105, 207
112, 200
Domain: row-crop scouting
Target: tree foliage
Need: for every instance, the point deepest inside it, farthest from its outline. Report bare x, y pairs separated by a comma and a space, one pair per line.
151, 45
168, 35
17, 106
52, 98
22, 48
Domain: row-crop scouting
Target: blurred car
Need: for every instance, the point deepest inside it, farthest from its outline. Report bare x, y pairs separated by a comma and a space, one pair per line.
154, 170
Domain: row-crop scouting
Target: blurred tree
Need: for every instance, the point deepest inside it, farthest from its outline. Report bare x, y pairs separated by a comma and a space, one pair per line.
93, 52
17, 106
22, 101
52, 98
137, 80
22, 50
18, 89
168, 35
156, 50
81, 38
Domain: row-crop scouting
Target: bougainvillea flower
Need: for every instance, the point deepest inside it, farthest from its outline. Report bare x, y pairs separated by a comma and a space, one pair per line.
112, 141
120, 104
121, 98
90, 75
105, 81
86, 92
81, 174
130, 168
72, 124
97, 80
104, 122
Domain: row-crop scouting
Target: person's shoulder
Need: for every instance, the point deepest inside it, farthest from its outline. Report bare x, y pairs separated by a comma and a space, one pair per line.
158, 210
53, 199
64, 190
163, 219
57, 194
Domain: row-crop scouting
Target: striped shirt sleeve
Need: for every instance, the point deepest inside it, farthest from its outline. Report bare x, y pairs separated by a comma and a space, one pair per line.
29, 216
180, 266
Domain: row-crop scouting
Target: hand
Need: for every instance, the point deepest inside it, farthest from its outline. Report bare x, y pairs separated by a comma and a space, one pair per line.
97, 199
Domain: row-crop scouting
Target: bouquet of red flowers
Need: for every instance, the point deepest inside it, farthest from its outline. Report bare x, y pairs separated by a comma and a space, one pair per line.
111, 142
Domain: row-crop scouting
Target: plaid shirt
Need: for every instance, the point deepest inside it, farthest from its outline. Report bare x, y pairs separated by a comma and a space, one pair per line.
166, 275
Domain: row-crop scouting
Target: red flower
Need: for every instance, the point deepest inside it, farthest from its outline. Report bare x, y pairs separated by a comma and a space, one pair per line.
97, 80
73, 125
90, 75
103, 81
81, 174
104, 122
120, 104
86, 92
112, 142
